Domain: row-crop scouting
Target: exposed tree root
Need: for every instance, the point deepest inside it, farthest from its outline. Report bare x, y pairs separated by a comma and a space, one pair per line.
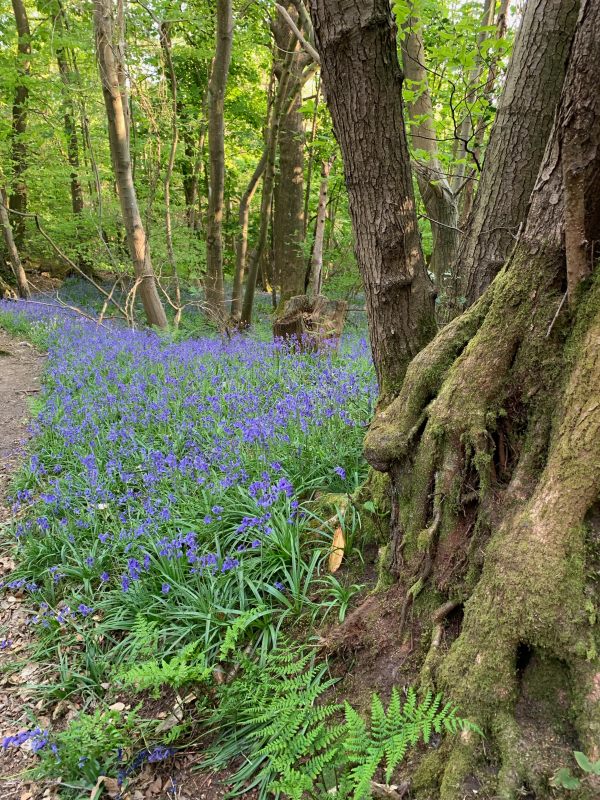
494, 461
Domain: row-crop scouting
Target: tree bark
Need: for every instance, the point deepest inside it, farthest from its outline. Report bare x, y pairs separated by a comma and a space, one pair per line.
118, 132
13, 253
516, 146
215, 295
492, 449
241, 247
317, 253
288, 199
288, 217
69, 77
357, 44
18, 195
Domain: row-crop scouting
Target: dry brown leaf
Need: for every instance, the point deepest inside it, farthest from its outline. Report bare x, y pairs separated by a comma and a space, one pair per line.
110, 784
337, 550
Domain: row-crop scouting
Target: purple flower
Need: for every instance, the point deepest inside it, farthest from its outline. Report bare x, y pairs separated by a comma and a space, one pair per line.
341, 472
165, 588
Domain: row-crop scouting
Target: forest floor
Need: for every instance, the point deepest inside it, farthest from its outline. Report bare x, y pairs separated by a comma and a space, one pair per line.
138, 473
20, 372
21, 368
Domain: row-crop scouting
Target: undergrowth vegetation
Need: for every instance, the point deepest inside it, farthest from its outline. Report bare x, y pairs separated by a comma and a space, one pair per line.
166, 540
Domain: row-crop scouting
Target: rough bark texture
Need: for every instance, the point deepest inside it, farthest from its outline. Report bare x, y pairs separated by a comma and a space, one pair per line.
492, 447
11, 248
215, 295
356, 41
18, 195
438, 198
517, 140
288, 217
289, 266
118, 132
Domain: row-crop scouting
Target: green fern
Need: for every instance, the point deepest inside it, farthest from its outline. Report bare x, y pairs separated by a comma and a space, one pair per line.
273, 718
187, 667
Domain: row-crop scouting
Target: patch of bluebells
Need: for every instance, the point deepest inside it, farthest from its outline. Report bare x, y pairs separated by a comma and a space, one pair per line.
163, 469
37, 737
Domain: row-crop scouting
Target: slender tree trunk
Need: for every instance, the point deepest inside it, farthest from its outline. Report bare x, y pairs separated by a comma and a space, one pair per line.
69, 77
513, 155
13, 253
438, 198
215, 295
118, 131
311, 158
467, 194
241, 248
317, 253
357, 44
267, 195
18, 196
165, 43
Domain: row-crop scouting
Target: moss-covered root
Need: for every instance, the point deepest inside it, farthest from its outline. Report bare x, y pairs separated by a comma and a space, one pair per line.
396, 424
532, 596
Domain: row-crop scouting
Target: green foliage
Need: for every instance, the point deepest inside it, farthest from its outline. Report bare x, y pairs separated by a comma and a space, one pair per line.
188, 666
565, 779
88, 747
295, 744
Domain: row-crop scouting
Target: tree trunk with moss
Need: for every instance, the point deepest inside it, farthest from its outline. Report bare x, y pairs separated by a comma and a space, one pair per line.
360, 71
493, 448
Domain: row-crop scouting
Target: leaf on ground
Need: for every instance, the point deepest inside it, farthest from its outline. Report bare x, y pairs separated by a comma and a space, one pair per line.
337, 550
104, 782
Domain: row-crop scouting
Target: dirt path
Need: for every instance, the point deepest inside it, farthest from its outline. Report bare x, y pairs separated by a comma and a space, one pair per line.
20, 371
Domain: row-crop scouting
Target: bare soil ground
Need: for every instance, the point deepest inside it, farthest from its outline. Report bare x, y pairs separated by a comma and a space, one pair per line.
20, 372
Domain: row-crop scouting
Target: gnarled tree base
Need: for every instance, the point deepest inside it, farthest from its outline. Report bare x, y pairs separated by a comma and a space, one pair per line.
493, 449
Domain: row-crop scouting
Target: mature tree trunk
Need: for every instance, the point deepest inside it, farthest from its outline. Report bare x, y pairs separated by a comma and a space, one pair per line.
438, 198
288, 87
288, 218
363, 84
118, 132
18, 195
215, 295
11, 248
492, 448
514, 152
69, 78
288, 198
316, 261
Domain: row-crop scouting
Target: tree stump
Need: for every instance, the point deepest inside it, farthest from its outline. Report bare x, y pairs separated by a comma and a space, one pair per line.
311, 321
